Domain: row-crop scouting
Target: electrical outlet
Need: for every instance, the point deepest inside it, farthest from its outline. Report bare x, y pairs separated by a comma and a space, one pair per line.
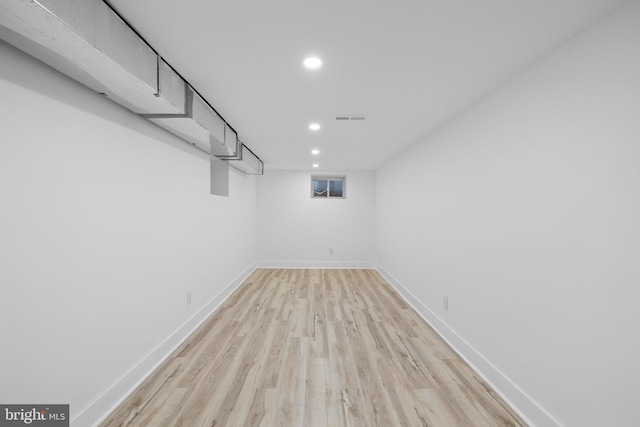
445, 302
188, 297
330, 251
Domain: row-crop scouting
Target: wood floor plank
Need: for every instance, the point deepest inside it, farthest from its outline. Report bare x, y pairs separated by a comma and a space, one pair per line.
310, 347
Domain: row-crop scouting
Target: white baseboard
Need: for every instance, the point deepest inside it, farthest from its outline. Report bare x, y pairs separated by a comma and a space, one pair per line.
97, 411
530, 411
317, 264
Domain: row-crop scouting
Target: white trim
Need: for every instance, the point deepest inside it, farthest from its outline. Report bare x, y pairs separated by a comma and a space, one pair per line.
317, 264
106, 403
519, 401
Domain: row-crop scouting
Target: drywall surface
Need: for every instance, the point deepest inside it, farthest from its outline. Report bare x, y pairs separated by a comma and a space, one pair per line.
296, 230
105, 225
524, 211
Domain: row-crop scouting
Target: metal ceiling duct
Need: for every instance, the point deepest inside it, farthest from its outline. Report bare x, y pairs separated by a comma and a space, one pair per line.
247, 162
90, 42
200, 125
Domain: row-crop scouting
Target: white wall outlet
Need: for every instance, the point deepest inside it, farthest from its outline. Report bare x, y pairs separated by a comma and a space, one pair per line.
330, 251
445, 302
188, 297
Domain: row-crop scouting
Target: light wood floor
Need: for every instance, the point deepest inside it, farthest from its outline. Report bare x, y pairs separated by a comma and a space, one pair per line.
314, 348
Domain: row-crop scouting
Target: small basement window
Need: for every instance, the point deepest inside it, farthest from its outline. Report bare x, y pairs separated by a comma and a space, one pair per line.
328, 187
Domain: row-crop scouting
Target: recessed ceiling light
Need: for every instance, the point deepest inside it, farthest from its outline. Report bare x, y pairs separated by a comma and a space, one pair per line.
315, 151
315, 165
314, 126
312, 62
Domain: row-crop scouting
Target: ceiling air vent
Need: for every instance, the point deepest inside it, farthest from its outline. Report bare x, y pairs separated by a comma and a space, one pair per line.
344, 117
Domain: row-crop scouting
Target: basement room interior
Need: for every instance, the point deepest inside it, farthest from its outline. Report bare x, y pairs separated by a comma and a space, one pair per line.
305, 213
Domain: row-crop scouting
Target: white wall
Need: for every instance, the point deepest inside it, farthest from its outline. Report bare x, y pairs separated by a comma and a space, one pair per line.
105, 225
525, 212
296, 230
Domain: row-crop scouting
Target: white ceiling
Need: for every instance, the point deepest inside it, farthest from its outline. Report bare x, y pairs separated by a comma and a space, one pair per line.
408, 65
